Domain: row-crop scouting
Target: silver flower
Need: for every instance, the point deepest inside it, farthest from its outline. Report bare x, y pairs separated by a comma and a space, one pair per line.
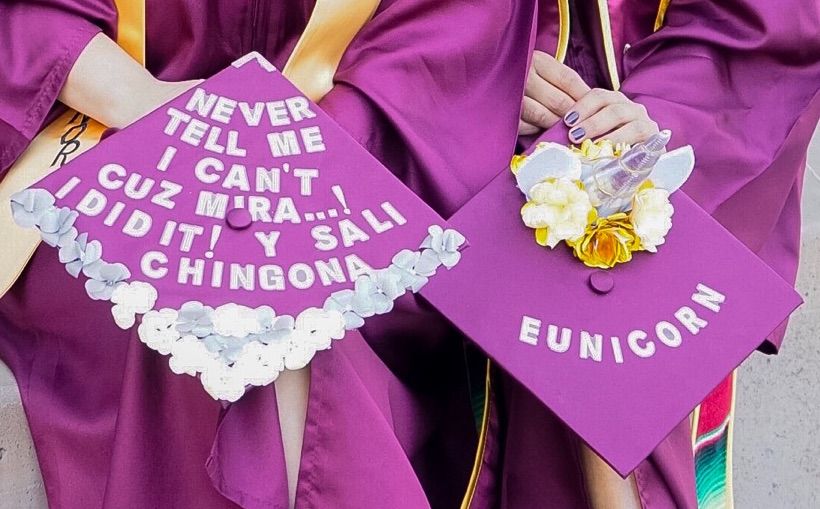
228, 348
404, 264
341, 301
29, 205
389, 281
274, 328
57, 226
196, 318
80, 253
104, 278
444, 244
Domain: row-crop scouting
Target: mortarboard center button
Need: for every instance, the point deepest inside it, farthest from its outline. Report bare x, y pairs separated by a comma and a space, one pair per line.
238, 219
601, 282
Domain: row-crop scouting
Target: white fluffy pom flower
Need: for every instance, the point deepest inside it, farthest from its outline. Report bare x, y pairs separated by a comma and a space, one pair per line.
223, 382
235, 320
189, 356
158, 330
261, 364
652, 217
132, 298
561, 207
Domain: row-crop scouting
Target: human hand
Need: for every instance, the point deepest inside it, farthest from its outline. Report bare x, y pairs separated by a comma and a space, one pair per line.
603, 113
552, 89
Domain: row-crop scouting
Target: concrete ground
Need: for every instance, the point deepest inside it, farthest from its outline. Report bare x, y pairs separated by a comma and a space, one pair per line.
777, 450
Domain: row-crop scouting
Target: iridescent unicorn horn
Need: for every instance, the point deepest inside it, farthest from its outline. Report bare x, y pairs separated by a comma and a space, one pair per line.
612, 186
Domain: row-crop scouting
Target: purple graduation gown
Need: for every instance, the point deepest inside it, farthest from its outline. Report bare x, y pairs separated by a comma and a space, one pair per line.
133, 434
389, 420
738, 80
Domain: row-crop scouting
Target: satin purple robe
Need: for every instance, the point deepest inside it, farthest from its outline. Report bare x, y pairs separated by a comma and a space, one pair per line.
389, 422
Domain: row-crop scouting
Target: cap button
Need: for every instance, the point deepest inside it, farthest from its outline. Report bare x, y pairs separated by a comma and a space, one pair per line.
239, 219
601, 282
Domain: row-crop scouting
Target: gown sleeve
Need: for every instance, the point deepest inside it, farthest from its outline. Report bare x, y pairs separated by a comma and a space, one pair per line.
41, 40
738, 80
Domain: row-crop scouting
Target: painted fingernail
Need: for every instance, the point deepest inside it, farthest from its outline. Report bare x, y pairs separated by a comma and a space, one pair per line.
571, 117
577, 133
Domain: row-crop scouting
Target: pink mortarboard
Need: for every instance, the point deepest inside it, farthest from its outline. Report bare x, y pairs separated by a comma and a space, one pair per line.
246, 227
620, 355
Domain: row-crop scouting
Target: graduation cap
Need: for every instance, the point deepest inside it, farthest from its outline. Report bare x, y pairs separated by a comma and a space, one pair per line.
620, 355
243, 224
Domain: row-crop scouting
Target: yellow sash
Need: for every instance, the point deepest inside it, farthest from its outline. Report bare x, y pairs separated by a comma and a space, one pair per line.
61, 141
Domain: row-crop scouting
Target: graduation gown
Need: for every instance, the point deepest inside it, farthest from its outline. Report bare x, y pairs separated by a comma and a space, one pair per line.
389, 422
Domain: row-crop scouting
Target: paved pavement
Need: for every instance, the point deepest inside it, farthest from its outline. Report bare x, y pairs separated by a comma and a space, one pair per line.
777, 450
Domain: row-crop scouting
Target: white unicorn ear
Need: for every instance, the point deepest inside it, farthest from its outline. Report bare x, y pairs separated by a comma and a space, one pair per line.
549, 160
673, 169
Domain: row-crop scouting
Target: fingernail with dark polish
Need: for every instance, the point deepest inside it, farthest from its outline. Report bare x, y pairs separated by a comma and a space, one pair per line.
571, 117
577, 133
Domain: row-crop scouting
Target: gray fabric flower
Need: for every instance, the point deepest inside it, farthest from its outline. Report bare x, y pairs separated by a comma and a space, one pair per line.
228, 348
404, 264
57, 226
29, 205
444, 244
80, 253
104, 278
357, 304
195, 318
389, 281
274, 328
340, 301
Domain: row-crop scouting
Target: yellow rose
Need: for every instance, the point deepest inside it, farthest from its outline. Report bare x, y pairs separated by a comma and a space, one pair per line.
607, 242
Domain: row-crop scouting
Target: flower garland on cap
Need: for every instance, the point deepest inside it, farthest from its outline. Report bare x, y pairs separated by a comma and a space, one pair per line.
559, 208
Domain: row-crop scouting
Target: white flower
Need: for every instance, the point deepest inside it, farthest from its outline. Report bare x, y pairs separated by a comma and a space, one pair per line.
80, 253
158, 330
235, 320
315, 328
444, 244
561, 207
261, 364
652, 217
316, 320
404, 263
132, 298
104, 278
189, 355
223, 382
29, 205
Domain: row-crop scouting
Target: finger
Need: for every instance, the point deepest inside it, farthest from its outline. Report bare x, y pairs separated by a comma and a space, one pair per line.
535, 113
561, 76
606, 120
525, 129
634, 132
545, 93
592, 103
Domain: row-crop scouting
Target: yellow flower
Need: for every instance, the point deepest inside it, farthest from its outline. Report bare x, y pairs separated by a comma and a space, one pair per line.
651, 217
559, 209
600, 149
607, 242
516, 163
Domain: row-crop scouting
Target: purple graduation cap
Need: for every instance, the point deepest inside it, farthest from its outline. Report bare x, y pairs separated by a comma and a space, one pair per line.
622, 354
243, 224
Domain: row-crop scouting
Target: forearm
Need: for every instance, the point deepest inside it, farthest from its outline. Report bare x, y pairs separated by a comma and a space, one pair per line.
605, 488
108, 85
